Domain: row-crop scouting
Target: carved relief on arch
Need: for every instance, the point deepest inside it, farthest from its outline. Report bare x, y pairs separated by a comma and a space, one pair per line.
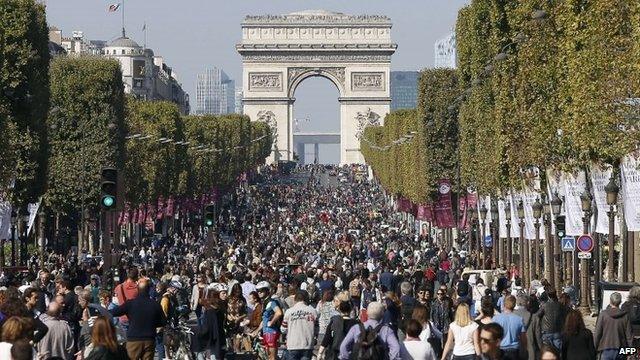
336, 73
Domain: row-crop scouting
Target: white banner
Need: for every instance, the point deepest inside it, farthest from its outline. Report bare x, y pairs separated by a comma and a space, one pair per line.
600, 176
502, 218
515, 222
574, 185
529, 197
33, 211
630, 181
5, 220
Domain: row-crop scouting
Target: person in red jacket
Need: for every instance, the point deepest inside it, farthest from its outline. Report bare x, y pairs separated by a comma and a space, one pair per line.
126, 291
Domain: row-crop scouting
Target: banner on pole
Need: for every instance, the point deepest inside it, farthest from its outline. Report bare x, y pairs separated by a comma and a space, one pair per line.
574, 185
443, 208
33, 212
5, 220
600, 176
630, 181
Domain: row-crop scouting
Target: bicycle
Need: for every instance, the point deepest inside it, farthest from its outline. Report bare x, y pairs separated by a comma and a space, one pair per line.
178, 342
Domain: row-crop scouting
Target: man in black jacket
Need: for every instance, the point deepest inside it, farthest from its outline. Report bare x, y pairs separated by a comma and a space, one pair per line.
552, 315
145, 316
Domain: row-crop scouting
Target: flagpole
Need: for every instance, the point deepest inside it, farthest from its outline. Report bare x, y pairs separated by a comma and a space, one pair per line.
123, 32
145, 35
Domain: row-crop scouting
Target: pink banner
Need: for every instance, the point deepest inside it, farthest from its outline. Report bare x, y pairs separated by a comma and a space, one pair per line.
466, 204
422, 212
170, 207
443, 208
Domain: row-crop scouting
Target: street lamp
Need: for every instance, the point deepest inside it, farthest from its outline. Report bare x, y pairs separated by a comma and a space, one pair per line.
548, 241
523, 256
612, 190
537, 213
483, 218
556, 206
14, 221
507, 215
585, 201
497, 250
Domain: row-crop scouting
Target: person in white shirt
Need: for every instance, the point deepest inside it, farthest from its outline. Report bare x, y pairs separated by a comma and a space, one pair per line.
413, 348
463, 335
299, 323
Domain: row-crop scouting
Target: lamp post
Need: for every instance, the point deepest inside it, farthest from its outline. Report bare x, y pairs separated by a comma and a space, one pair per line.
537, 213
507, 215
612, 190
548, 242
14, 220
585, 272
524, 261
556, 205
483, 218
495, 236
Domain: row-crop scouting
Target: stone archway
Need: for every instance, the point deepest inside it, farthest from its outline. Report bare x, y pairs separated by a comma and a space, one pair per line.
353, 52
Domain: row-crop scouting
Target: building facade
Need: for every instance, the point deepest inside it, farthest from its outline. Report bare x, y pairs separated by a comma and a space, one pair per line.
404, 89
144, 75
215, 93
238, 100
445, 50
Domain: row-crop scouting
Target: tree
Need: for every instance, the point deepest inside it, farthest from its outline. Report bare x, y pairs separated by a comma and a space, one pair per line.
86, 125
24, 98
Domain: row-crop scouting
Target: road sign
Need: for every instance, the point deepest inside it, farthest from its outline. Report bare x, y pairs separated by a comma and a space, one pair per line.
585, 243
568, 243
584, 255
488, 241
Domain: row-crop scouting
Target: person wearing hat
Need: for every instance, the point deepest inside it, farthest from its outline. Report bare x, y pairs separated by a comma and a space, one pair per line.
169, 302
271, 319
94, 288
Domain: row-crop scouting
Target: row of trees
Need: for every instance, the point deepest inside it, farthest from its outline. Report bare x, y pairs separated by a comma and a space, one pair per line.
539, 83
61, 121
89, 124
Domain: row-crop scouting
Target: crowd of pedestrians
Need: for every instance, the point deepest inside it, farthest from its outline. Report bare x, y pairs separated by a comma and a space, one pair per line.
299, 266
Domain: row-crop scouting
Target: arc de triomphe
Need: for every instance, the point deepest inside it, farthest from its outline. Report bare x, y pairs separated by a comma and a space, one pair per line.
279, 52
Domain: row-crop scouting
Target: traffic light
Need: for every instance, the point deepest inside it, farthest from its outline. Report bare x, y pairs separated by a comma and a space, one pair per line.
109, 187
209, 211
560, 227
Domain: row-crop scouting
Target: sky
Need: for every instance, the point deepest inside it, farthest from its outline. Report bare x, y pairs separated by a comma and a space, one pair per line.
193, 35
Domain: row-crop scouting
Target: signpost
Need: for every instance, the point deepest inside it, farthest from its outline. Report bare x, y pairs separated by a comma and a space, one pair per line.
488, 241
585, 243
568, 243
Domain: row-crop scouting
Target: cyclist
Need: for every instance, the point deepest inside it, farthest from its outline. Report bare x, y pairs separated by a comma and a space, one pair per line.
271, 319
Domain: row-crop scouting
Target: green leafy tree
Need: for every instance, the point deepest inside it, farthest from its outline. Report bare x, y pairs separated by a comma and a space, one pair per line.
24, 98
86, 125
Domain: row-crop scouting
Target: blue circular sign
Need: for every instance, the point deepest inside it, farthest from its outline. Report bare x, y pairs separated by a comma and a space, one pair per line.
585, 243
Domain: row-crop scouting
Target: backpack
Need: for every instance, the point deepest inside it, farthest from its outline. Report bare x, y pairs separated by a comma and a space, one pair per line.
369, 346
339, 329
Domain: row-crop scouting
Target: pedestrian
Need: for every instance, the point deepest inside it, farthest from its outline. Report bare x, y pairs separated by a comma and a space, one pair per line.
549, 352
491, 336
514, 331
14, 329
104, 345
299, 323
632, 308
145, 316
380, 338
463, 337
58, 342
336, 331
271, 319
126, 291
209, 335
429, 334
552, 315
441, 312
326, 310
413, 348
577, 340
613, 329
